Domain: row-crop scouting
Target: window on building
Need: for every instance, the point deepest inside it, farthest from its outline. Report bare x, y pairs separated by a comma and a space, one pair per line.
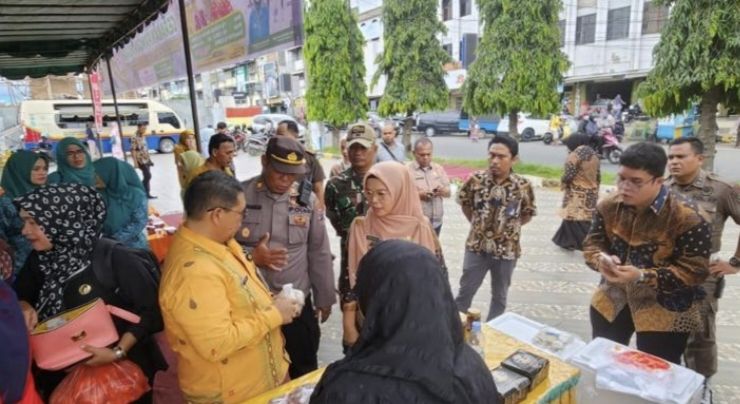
618, 23
654, 17
448, 48
465, 8
446, 10
561, 26
585, 29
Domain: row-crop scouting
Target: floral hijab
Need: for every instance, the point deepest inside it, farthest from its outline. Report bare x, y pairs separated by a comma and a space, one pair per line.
71, 216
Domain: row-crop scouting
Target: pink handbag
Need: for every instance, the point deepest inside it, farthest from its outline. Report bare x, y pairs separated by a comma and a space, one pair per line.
57, 342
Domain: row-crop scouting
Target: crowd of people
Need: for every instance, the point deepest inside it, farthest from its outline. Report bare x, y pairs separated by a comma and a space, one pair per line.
226, 300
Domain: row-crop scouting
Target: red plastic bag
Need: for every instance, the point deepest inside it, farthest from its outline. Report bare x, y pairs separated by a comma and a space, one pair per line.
118, 382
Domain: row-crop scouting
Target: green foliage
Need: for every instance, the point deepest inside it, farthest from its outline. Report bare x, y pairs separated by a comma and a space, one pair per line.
699, 51
337, 93
412, 58
519, 63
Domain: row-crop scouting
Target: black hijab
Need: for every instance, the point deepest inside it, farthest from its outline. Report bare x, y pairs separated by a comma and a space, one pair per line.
411, 346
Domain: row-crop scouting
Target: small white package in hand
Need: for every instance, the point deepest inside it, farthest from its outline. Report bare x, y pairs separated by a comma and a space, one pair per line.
293, 294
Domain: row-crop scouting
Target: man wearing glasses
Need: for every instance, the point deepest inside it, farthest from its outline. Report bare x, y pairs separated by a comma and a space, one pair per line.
289, 244
652, 249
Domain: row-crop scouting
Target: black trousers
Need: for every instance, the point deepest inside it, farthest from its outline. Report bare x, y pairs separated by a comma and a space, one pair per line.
146, 170
302, 341
667, 345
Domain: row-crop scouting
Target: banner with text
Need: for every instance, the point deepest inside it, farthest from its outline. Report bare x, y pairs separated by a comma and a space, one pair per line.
222, 33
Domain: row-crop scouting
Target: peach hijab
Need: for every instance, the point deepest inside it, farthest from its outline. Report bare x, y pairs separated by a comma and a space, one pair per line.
405, 221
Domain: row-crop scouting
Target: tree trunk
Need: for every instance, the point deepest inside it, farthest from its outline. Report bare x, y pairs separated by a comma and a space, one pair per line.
335, 136
513, 124
708, 126
408, 123
737, 134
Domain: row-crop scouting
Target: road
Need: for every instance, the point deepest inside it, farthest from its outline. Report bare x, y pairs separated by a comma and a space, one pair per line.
460, 147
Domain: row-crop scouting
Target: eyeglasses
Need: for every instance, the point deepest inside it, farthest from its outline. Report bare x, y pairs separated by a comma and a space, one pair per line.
241, 214
75, 153
632, 183
380, 194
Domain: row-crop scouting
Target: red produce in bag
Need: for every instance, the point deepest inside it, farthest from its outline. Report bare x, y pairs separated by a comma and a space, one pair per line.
118, 382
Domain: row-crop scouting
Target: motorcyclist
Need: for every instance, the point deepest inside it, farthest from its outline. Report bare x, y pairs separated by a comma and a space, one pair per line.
46, 147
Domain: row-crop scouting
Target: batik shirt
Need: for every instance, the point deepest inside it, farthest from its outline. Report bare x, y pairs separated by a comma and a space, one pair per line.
138, 145
670, 242
344, 201
580, 182
498, 210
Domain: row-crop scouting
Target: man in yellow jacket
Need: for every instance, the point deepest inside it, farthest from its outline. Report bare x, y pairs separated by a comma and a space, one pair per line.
220, 318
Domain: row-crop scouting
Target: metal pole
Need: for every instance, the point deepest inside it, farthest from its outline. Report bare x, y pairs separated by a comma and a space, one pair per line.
115, 105
189, 68
92, 102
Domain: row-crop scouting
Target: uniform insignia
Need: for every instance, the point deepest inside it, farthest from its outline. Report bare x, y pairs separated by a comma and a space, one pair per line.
292, 157
299, 220
260, 184
245, 232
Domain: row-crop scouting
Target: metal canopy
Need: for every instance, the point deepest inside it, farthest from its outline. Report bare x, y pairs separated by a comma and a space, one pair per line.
42, 37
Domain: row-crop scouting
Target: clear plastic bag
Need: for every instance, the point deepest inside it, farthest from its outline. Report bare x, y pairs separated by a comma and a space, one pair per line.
115, 383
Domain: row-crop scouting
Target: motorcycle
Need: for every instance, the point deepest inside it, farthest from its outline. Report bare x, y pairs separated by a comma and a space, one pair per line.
610, 148
619, 130
634, 112
240, 138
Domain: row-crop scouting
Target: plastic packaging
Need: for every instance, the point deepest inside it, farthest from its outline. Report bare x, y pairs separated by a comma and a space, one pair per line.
476, 338
115, 383
293, 294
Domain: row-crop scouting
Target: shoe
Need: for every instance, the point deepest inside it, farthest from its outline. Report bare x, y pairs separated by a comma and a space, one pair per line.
151, 197
707, 394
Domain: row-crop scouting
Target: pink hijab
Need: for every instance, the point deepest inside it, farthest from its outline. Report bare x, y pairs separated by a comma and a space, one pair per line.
405, 221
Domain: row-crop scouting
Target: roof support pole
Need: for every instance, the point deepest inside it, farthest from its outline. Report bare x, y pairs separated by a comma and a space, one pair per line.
92, 103
189, 68
115, 105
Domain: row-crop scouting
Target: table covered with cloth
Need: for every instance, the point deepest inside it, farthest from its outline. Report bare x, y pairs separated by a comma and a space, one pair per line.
558, 388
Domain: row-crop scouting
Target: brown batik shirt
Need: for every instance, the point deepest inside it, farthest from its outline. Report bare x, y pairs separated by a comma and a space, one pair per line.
670, 242
498, 210
580, 182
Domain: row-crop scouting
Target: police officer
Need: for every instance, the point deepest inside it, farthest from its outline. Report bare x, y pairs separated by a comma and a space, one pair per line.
345, 200
314, 172
718, 200
288, 242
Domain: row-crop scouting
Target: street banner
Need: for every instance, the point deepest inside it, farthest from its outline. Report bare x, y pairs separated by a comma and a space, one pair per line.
97, 97
222, 33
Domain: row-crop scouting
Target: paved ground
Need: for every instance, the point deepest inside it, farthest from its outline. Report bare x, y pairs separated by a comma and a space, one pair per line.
550, 285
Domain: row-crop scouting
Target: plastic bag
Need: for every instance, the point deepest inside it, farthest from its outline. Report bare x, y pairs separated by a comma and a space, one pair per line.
118, 382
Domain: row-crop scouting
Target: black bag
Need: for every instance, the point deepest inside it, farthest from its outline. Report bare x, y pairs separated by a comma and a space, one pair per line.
102, 259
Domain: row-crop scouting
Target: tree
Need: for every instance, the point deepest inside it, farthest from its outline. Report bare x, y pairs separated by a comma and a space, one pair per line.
696, 60
337, 93
519, 64
412, 60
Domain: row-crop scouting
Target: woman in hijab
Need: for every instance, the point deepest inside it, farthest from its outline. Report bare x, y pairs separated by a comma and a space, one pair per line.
187, 143
24, 171
125, 201
580, 182
394, 213
74, 164
411, 347
63, 223
16, 383
190, 160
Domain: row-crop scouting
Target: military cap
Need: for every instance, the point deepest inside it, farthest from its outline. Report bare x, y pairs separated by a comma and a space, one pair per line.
286, 155
361, 133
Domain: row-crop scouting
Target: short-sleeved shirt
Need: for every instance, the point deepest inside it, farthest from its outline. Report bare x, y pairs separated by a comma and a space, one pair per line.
139, 146
428, 179
497, 212
344, 202
300, 229
717, 198
387, 153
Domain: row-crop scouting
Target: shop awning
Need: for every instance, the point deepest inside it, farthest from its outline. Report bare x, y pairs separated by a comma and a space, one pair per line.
42, 37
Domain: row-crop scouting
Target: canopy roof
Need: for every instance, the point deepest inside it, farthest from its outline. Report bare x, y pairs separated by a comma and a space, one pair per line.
41, 37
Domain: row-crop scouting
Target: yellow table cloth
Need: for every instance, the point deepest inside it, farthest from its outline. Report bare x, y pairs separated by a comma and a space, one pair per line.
310, 378
557, 388
560, 385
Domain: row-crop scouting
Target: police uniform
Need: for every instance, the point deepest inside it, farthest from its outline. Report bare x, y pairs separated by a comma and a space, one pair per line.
344, 200
301, 230
717, 201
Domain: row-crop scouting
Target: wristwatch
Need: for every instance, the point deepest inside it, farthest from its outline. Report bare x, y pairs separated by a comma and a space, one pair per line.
735, 262
120, 353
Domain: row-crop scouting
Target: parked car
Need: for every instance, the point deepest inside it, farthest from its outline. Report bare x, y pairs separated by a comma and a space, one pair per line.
434, 123
529, 127
260, 122
487, 124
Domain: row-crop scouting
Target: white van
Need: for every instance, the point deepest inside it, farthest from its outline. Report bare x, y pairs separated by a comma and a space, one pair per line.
57, 119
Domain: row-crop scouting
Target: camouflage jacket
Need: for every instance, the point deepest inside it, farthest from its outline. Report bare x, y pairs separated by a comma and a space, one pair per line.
344, 201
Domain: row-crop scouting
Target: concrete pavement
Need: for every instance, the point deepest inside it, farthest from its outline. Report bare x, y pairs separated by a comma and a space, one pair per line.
550, 285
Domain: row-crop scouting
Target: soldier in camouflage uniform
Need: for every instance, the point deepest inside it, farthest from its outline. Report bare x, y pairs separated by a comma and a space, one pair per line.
718, 200
345, 200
